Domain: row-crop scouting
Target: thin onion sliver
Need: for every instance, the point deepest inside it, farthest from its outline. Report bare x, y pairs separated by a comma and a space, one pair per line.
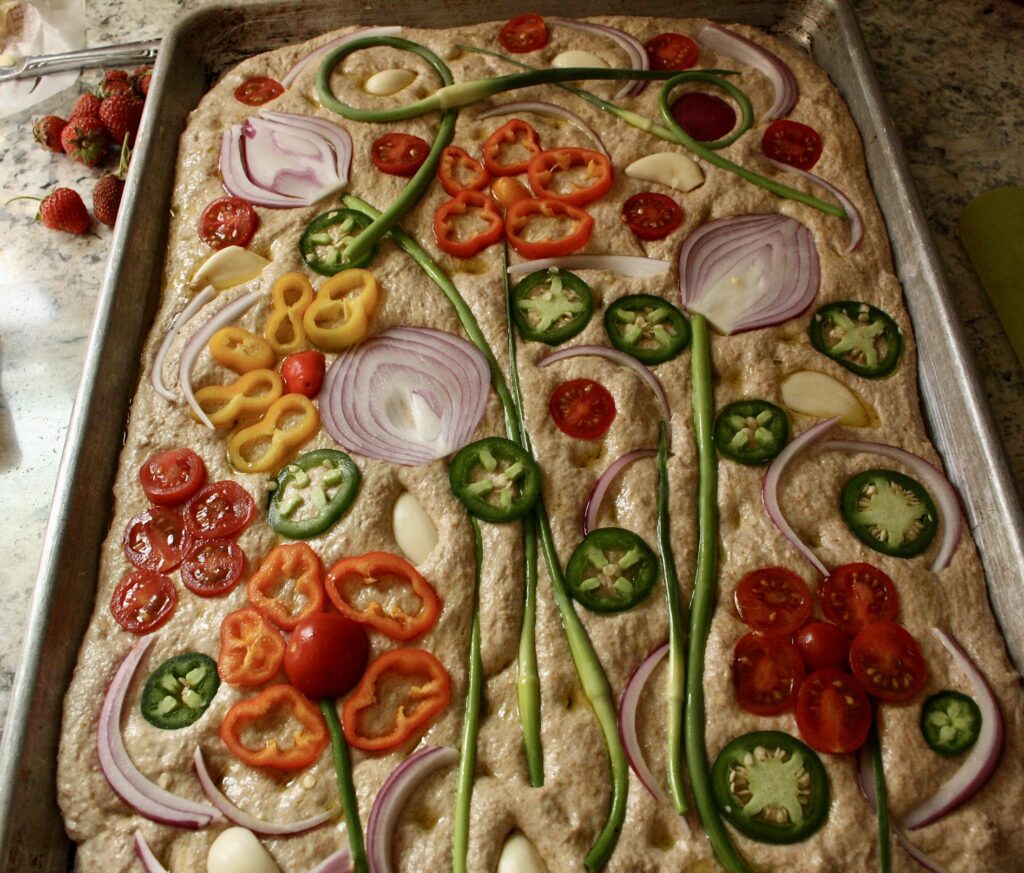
156, 375
597, 493
628, 704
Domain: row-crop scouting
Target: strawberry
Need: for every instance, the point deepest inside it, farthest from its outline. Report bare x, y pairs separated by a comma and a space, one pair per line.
111, 87
85, 140
140, 79
87, 106
47, 131
64, 210
115, 75
121, 115
106, 198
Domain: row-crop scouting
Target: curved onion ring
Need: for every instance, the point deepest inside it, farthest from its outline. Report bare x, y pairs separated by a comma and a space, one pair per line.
339, 862
541, 108
233, 813
631, 266
628, 704
726, 42
852, 213
984, 756
149, 862
638, 58
156, 375
293, 73
593, 508
144, 796
409, 395
392, 797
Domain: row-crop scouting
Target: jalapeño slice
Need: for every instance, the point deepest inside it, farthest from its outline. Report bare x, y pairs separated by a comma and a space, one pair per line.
612, 570
551, 306
858, 336
771, 787
312, 493
325, 240
890, 512
179, 690
751, 431
649, 328
495, 479
950, 722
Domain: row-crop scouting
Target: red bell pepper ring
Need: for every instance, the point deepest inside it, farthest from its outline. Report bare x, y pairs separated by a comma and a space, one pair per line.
368, 580
251, 649
288, 586
424, 699
277, 708
483, 208
513, 133
545, 168
523, 212
473, 175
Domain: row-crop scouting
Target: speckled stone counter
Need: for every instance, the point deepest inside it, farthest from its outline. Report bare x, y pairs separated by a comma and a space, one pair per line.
952, 74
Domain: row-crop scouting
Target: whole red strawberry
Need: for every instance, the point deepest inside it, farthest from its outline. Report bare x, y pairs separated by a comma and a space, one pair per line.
115, 75
140, 79
121, 115
110, 87
64, 210
106, 198
47, 131
85, 140
87, 106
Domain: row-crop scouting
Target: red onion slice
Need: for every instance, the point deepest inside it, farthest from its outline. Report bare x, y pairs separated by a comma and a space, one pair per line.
339, 862
946, 499
233, 813
149, 862
852, 213
628, 704
293, 73
731, 44
983, 758
634, 49
749, 271
593, 508
409, 395
541, 108
392, 797
144, 796
156, 375
631, 266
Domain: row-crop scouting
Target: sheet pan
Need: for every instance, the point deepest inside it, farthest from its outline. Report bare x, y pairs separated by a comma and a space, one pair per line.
208, 41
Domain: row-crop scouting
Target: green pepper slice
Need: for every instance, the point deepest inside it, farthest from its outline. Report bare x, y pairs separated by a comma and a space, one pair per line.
495, 479
179, 690
612, 570
649, 328
325, 240
950, 722
890, 512
771, 787
858, 336
551, 306
751, 432
312, 493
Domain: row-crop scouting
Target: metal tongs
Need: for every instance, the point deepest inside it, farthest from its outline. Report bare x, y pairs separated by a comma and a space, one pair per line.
104, 56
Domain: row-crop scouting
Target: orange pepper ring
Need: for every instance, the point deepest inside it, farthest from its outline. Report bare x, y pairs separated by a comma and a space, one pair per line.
310, 739
295, 561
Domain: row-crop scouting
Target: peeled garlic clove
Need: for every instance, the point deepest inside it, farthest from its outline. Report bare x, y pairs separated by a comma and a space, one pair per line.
229, 267
238, 851
820, 396
388, 82
415, 531
578, 58
671, 169
519, 855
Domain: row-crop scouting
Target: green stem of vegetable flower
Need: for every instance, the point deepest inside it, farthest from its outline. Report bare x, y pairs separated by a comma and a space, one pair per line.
470, 721
702, 604
881, 800
676, 635
347, 791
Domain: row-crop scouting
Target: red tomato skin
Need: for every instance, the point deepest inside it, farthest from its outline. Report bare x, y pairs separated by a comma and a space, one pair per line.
211, 568
524, 33
651, 216
143, 601
258, 90
303, 373
855, 595
672, 51
767, 672
704, 116
172, 477
833, 712
156, 539
326, 655
229, 221
399, 154
792, 143
894, 659
823, 646
218, 510
582, 408
773, 599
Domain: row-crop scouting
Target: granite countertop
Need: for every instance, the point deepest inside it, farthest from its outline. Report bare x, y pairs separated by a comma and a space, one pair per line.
953, 82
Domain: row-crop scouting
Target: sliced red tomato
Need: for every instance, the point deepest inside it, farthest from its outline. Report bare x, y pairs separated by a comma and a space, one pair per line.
773, 599
651, 216
212, 567
822, 645
888, 662
792, 143
303, 373
218, 510
704, 116
258, 90
522, 219
855, 595
230, 221
672, 51
766, 673
832, 712
156, 539
326, 655
570, 175
457, 171
399, 154
143, 601
524, 33
487, 224
513, 136
582, 408
251, 649
172, 477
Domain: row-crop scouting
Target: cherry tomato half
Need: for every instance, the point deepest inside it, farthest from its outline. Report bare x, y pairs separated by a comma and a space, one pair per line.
156, 539
326, 655
525, 33
823, 645
258, 90
792, 143
651, 216
143, 601
230, 221
832, 712
303, 373
855, 595
172, 477
582, 408
704, 116
888, 662
218, 510
212, 567
399, 154
773, 599
672, 51
766, 673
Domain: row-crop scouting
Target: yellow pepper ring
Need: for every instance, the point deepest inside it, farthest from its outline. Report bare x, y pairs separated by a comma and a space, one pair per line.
290, 297
339, 317
269, 444
249, 395
241, 351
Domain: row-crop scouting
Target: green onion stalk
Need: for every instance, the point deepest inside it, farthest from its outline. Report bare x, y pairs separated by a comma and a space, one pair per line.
346, 788
881, 800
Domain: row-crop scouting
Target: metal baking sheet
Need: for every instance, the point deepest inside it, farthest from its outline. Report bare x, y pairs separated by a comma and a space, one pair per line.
208, 41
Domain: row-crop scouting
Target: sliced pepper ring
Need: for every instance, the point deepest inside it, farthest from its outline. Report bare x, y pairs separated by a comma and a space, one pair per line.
890, 512
452, 160
647, 327
858, 336
496, 479
179, 691
751, 432
544, 169
522, 214
468, 201
325, 239
312, 493
611, 570
551, 306
950, 722
244, 721
514, 132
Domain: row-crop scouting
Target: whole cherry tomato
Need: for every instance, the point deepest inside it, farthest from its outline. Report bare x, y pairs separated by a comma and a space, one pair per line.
303, 373
326, 655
